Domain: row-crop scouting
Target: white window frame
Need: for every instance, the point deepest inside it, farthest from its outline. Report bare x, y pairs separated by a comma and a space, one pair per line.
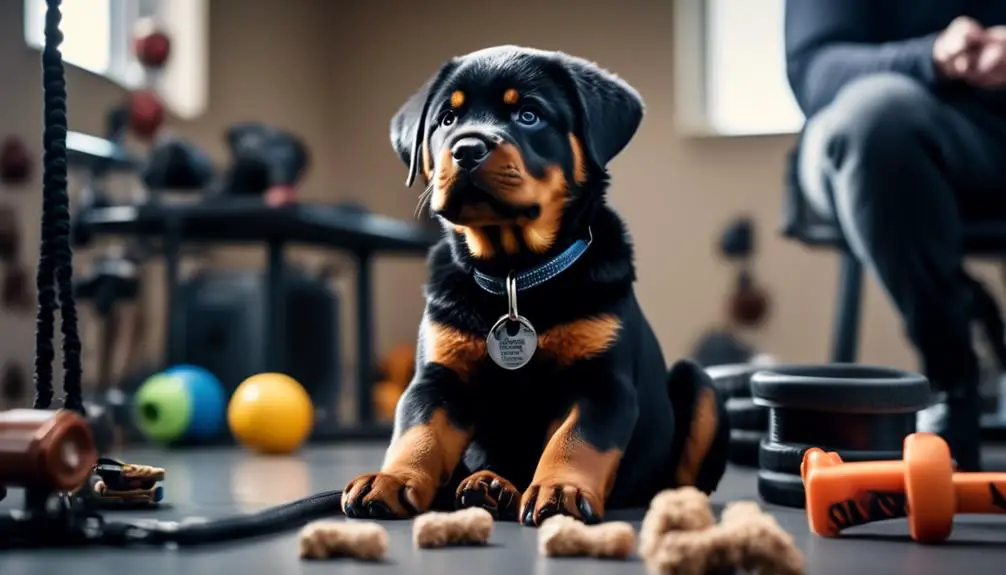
694, 84
183, 84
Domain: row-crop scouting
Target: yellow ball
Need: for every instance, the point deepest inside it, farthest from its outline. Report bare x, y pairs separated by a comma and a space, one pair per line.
270, 413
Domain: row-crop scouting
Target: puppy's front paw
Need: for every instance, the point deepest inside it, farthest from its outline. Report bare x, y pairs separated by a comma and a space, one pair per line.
548, 498
384, 496
491, 492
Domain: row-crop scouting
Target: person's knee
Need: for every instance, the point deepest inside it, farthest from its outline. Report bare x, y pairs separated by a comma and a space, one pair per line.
877, 117
870, 128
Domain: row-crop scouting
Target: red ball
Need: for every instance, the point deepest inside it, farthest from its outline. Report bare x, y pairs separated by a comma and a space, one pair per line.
146, 114
151, 46
15, 162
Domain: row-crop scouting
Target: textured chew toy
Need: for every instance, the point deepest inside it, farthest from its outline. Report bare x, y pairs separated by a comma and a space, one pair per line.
563, 536
923, 488
682, 509
329, 539
746, 540
471, 526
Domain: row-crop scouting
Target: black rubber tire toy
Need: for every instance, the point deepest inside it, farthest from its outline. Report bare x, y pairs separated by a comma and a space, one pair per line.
783, 489
744, 447
841, 406
733, 380
861, 412
744, 414
787, 457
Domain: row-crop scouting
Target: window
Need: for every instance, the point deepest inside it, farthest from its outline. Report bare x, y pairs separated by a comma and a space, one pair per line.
730, 70
97, 37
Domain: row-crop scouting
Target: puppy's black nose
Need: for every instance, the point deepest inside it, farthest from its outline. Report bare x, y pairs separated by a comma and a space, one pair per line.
468, 153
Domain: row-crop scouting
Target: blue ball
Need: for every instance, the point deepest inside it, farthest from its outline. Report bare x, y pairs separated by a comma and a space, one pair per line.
207, 400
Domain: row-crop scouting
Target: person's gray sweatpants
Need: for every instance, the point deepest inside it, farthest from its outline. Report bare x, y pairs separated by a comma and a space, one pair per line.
904, 167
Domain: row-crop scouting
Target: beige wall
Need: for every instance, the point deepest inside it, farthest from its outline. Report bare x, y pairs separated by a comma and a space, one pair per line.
336, 74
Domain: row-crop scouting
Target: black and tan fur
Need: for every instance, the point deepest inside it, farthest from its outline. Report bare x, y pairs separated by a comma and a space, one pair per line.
596, 421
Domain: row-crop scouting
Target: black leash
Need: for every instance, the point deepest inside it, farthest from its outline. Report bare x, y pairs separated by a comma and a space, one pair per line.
69, 519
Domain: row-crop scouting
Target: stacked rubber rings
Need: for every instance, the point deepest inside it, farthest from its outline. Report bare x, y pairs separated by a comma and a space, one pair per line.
861, 412
748, 421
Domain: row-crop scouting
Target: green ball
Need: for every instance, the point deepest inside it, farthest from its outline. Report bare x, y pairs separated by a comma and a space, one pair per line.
163, 408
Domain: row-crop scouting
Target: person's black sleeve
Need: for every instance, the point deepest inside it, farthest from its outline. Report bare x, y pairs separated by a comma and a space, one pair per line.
828, 45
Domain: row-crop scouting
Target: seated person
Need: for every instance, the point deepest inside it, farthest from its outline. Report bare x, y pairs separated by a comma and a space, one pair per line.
906, 137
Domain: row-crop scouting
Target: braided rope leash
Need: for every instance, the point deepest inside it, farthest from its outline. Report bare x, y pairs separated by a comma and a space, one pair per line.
55, 264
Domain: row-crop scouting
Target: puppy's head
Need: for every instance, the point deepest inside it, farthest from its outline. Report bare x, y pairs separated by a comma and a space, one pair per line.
509, 139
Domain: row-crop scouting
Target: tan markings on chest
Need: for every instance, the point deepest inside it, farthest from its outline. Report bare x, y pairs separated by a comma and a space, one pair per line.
452, 348
581, 339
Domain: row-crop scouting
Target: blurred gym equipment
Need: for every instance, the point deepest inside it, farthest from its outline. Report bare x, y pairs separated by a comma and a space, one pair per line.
365, 236
112, 282
262, 157
218, 319
18, 291
13, 386
10, 235
15, 162
746, 306
229, 215
178, 166
394, 373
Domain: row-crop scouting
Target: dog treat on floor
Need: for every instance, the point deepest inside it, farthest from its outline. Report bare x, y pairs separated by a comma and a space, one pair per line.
765, 547
331, 539
471, 526
681, 509
746, 540
563, 536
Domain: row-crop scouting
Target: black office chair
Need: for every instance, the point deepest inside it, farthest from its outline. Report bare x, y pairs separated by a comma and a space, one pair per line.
983, 238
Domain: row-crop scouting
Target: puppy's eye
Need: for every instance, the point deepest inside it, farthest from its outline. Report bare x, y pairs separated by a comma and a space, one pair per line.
448, 118
527, 116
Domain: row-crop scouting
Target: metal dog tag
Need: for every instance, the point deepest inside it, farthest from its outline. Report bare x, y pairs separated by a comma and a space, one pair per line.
512, 341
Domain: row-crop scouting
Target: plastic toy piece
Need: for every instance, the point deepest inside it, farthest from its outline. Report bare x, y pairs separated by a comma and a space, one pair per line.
922, 488
117, 484
45, 450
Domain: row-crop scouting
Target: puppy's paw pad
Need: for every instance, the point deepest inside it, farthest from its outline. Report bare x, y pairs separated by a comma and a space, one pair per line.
489, 491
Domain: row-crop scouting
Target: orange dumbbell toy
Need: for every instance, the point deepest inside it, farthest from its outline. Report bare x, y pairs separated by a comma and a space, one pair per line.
923, 488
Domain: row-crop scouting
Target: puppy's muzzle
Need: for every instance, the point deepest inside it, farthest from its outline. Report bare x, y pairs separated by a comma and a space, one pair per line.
469, 152
469, 198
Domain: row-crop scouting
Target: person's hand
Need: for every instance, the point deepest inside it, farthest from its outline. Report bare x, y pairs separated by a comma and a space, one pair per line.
956, 50
989, 69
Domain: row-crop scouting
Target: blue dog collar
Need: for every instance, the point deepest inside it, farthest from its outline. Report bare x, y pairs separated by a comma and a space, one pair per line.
539, 274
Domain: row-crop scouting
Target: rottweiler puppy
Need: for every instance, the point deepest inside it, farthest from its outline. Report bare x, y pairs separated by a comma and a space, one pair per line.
540, 388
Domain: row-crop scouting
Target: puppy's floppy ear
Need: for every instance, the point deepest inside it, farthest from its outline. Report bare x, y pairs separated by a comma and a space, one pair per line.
408, 126
610, 109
